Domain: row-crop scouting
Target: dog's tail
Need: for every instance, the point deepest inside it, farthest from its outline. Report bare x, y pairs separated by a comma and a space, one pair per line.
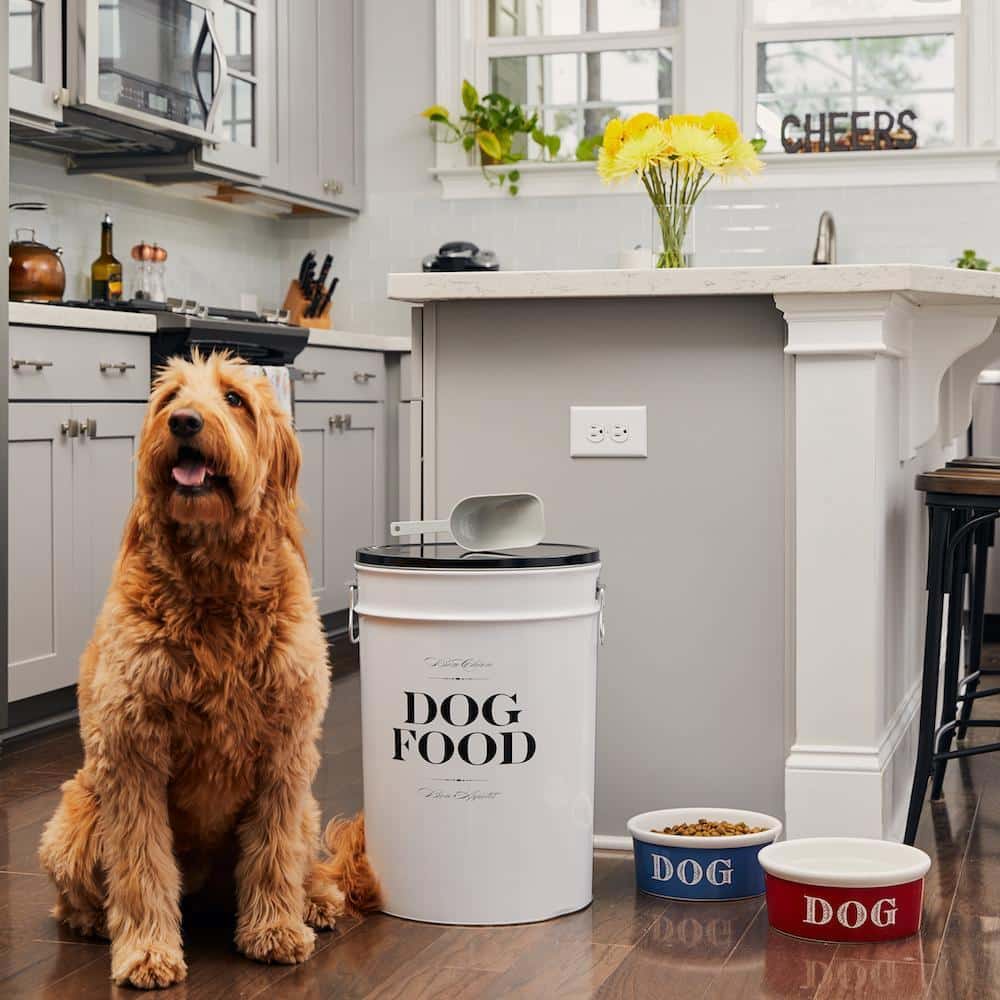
349, 866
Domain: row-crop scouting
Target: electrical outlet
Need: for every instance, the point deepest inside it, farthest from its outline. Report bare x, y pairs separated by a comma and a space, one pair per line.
607, 431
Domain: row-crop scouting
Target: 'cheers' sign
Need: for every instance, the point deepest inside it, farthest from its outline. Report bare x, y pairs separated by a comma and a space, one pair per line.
833, 131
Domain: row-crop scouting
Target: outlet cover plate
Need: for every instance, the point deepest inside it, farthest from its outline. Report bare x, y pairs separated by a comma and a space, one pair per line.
582, 418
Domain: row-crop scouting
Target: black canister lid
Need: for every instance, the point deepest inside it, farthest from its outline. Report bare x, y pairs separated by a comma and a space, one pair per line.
448, 555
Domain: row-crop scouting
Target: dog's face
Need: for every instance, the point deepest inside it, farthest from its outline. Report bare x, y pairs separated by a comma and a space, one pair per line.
215, 444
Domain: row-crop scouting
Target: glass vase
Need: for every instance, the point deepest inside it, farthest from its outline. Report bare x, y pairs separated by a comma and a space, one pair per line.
673, 236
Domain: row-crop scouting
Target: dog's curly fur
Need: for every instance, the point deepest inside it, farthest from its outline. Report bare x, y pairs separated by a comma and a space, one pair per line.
201, 695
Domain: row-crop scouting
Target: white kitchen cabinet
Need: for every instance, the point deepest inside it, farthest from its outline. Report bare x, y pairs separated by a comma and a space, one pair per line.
317, 154
72, 482
34, 52
343, 490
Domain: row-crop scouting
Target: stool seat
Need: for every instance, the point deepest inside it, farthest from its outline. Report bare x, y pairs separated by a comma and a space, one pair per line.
961, 482
975, 462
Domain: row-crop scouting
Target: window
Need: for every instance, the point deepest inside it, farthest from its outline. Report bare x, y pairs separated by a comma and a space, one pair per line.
579, 63
876, 57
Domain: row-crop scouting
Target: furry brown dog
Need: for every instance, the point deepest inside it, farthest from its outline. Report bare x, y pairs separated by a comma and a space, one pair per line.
201, 695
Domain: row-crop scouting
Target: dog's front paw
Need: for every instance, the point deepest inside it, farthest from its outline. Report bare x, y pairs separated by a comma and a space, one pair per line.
285, 943
323, 908
149, 966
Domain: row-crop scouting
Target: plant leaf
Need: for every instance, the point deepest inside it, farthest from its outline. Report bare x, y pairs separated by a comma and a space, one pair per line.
515, 175
539, 136
552, 144
489, 144
441, 119
468, 142
435, 112
758, 144
513, 190
470, 98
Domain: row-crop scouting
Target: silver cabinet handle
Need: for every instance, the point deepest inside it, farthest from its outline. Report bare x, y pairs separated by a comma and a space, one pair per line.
88, 428
116, 366
18, 363
333, 186
364, 377
340, 422
70, 428
300, 374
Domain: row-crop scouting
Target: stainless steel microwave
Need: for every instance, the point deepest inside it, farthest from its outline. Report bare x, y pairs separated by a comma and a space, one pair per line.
158, 64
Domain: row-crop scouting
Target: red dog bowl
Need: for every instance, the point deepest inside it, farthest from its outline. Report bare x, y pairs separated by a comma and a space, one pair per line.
844, 888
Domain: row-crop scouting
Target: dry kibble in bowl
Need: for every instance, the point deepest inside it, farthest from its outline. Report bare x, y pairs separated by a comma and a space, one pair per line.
710, 828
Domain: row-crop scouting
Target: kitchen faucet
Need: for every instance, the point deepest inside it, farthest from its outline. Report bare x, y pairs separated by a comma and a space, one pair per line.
826, 241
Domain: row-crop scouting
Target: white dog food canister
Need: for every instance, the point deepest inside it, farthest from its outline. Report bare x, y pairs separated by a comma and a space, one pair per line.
478, 690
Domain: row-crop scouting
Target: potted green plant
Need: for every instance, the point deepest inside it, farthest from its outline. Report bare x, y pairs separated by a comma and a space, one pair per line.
494, 125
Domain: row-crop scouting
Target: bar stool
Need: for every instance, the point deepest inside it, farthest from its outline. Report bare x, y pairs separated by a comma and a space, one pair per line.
963, 504
974, 670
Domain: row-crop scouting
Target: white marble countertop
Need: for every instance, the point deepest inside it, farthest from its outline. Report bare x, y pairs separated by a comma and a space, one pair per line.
107, 320
920, 283
39, 314
358, 341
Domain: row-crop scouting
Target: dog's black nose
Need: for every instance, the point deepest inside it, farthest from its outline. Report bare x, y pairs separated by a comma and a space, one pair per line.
185, 423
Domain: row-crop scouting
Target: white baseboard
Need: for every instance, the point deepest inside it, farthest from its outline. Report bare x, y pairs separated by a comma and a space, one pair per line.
604, 842
853, 791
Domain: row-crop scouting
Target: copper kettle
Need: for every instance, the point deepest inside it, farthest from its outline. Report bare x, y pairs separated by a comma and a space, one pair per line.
36, 271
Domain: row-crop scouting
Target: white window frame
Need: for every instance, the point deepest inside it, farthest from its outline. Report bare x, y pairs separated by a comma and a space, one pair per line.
949, 24
706, 44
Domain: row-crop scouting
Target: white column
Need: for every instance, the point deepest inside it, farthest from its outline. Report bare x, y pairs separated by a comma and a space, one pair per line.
881, 390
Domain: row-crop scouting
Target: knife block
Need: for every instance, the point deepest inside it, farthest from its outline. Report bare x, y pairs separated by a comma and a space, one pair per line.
296, 303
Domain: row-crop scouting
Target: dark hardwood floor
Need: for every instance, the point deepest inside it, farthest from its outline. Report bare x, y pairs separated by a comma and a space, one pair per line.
624, 946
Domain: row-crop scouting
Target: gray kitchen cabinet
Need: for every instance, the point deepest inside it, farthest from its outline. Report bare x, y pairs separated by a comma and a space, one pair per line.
34, 51
44, 626
103, 490
343, 490
71, 473
317, 155
245, 29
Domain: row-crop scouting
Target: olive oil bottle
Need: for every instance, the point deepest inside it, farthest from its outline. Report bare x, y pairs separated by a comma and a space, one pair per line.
106, 271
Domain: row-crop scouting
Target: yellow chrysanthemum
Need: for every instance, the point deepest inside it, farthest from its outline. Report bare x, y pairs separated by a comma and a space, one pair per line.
639, 123
614, 135
675, 120
741, 161
722, 125
643, 151
693, 146
609, 165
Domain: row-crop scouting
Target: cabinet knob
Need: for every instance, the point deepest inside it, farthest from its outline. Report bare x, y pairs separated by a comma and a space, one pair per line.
70, 428
116, 366
340, 422
363, 377
333, 186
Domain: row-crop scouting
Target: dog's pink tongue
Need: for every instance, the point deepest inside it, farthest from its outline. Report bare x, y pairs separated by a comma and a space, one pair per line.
190, 472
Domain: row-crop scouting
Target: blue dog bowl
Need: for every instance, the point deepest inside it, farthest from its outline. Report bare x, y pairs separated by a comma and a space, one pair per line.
700, 867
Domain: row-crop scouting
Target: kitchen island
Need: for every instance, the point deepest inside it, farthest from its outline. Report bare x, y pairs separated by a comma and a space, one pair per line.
765, 561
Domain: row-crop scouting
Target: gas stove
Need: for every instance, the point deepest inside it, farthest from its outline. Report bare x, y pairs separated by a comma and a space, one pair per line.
183, 325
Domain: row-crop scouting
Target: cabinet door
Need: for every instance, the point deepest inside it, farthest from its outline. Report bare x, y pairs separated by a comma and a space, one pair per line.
34, 51
103, 489
342, 486
45, 639
319, 70
356, 489
312, 428
340, 82
243, 123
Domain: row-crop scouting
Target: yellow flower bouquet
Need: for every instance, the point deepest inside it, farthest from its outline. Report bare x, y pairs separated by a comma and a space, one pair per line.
676, 158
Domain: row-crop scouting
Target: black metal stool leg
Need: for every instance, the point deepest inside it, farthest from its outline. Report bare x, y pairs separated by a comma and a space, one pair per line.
952, 656
977, 619
940, 521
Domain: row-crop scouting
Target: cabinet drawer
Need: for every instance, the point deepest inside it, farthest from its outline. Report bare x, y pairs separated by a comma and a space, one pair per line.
331, 373
46, 363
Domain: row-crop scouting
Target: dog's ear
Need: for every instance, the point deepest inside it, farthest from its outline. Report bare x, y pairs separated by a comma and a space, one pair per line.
286, 456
